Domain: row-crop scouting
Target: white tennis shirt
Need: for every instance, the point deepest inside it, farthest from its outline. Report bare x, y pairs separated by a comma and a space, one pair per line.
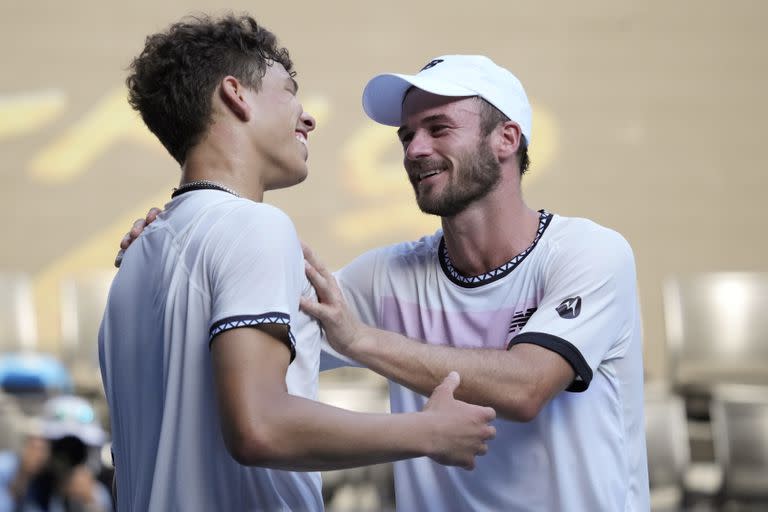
572, 291
209, 263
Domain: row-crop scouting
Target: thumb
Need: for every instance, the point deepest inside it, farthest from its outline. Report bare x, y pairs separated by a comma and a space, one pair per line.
451, 382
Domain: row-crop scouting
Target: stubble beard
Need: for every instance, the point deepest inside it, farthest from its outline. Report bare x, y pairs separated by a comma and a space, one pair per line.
475, 176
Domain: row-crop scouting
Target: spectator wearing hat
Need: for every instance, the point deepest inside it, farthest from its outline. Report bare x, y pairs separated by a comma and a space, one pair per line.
67, 482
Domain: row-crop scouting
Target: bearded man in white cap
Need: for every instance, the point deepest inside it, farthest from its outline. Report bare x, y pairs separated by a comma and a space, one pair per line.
538, 312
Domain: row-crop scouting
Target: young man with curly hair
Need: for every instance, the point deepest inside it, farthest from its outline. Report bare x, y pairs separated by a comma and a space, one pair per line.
209, 368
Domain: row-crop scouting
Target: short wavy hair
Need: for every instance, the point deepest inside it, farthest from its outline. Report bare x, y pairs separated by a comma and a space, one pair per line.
171, 83
490, 118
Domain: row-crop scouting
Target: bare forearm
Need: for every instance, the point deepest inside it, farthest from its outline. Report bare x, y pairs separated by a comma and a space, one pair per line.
304, 435
264, 425
496, 378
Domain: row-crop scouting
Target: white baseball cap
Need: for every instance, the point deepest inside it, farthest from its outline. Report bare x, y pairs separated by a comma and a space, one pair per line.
450, 75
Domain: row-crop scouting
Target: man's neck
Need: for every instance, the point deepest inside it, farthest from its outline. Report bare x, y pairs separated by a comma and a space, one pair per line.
226, 165
490, 232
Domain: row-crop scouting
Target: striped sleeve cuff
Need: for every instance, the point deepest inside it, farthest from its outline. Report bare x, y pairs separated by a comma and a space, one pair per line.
236, 322
565, 349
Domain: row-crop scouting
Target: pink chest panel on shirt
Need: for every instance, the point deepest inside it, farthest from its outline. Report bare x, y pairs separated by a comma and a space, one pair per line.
492, 328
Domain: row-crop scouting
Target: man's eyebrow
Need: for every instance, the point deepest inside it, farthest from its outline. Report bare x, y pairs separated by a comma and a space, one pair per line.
436, 117
428, 119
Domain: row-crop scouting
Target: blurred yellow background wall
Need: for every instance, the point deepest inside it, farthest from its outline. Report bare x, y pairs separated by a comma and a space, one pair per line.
649, 117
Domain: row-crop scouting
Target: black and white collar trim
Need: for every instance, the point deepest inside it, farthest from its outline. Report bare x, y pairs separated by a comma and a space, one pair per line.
494, 275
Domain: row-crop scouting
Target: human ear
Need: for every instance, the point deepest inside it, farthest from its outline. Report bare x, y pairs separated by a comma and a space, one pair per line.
233, 94
509, 139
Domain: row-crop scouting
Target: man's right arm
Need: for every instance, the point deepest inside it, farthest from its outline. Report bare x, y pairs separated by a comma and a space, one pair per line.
264, 425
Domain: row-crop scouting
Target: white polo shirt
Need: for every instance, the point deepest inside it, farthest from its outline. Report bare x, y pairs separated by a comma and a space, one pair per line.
572, 291
209, 263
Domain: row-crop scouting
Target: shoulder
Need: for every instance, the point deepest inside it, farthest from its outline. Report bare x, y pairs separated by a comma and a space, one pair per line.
245, 231
241, 218
585, 236
403, 254
581, 245
251, 212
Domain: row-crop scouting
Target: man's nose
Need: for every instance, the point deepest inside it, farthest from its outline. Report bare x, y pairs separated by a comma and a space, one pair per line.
420, 146
308, 121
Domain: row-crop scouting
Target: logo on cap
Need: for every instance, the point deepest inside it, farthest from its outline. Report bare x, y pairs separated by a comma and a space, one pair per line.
431, 64
569, 308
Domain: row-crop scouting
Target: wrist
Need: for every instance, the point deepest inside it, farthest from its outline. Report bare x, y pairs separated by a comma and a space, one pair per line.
421, 434
364, 338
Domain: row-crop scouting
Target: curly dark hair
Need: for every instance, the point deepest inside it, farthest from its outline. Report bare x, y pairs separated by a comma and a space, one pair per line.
490, 118
172, 81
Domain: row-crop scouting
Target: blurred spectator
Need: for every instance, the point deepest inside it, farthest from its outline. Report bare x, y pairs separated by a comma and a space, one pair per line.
66, 482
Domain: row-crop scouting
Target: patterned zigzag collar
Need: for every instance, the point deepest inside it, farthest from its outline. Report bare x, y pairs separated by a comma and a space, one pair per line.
493, 275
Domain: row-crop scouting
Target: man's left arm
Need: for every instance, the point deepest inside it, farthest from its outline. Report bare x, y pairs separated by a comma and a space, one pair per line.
517, 382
